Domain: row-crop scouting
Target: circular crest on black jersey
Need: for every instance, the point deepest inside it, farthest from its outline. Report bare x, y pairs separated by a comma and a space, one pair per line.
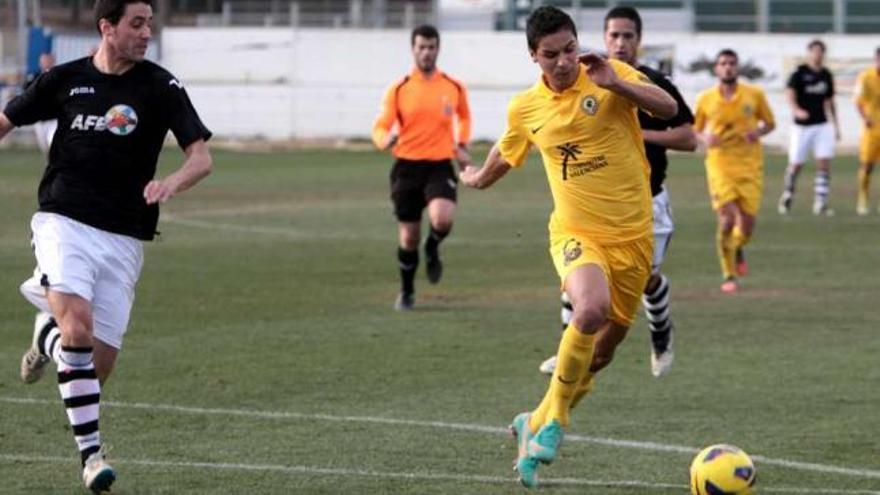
121, 120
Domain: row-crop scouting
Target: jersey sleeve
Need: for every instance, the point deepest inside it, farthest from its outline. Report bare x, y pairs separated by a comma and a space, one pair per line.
763, 111
860, 95
38, 102
700, 113
514, 143
830, 85
464, 117
387, 115
793, 80
684, 115
184, 121
629, 74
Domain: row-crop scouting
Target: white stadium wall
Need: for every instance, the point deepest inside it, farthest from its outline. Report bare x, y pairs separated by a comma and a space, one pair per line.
279, 83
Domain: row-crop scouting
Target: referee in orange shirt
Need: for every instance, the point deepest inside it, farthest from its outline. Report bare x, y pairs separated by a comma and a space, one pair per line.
433, 122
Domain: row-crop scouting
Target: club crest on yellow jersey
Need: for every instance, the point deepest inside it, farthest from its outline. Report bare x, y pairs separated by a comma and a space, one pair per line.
590, 105
571, 250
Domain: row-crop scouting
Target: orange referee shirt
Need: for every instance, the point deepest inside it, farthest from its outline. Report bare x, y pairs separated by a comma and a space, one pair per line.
423, 108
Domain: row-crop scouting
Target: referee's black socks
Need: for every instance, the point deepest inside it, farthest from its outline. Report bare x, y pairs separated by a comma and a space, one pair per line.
409, 262
434, 240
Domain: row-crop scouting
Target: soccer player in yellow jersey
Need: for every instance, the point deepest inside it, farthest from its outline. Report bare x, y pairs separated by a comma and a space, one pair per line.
730, 119
867, 98
582, 119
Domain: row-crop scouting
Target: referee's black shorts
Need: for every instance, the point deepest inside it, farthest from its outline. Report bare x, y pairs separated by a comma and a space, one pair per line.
414, 183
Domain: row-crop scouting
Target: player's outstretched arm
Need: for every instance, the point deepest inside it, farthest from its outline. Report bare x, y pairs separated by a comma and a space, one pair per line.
648, 97
493, 169
5, 125
197, 166
680, 138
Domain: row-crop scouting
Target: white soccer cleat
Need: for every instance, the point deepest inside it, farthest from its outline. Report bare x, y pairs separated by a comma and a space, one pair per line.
33, 363
661, 363
822, 210
97, 474
548, 366
784, 205
863, 210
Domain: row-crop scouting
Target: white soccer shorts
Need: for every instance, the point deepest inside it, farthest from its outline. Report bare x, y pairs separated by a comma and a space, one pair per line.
99, 266
816, 138
663, 228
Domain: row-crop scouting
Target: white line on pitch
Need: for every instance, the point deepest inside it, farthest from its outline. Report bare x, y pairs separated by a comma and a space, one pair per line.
347, 472
294, 233
633, 444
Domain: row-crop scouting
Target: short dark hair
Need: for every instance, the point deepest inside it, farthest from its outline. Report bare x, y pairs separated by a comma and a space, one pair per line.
624, 12
113, 10
426, 31
727, 52
818, 43
877, 51
544, 21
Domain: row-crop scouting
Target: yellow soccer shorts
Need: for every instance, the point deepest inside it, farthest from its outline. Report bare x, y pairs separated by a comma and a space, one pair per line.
626, 266
869, 148
745, 190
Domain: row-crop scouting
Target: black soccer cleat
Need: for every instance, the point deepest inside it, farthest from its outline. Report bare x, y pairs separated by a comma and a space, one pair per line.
434, 268
405, 301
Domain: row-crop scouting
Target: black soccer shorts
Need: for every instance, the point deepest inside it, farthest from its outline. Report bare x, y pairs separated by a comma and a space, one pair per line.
414, 183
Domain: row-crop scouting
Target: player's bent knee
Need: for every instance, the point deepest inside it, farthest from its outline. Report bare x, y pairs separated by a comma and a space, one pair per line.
76, 331
589, 319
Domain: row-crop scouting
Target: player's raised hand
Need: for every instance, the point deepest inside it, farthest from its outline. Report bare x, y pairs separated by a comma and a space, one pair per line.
158, 191
598, 69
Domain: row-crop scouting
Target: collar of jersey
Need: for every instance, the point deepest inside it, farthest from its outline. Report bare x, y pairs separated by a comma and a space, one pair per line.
579, 84
415, 73
736, 94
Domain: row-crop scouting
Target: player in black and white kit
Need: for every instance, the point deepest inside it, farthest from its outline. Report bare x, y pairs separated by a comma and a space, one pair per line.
623, 34
98, 201
810, 94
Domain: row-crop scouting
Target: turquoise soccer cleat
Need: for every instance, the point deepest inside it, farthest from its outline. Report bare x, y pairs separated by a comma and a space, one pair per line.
544, 446
525, 465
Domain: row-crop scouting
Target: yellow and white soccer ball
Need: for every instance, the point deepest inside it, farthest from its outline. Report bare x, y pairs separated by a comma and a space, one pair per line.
722, 470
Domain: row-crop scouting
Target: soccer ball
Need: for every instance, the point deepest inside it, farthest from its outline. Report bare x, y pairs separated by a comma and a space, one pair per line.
722, 470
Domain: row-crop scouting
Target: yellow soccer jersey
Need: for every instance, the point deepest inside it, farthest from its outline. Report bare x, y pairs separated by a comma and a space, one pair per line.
593, 153
867, 95
731, 120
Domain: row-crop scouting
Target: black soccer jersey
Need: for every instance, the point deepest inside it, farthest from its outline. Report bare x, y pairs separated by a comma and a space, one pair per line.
657, 154
811, 89
110, 132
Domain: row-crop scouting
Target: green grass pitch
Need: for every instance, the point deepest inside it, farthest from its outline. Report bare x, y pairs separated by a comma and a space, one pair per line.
270, 293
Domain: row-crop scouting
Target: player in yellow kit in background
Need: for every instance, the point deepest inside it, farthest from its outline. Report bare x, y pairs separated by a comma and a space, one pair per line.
730, 119
582, 119
867, 98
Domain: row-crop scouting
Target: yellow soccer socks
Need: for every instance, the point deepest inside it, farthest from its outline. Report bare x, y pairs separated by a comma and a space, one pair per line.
725, 244
862, 206
572, 365
739, 238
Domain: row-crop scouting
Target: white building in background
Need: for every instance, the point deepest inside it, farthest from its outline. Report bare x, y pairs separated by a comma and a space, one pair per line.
282, 83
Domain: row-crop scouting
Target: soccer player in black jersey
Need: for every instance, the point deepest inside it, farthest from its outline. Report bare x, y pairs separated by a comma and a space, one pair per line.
810, 94
98, 200
623, 34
